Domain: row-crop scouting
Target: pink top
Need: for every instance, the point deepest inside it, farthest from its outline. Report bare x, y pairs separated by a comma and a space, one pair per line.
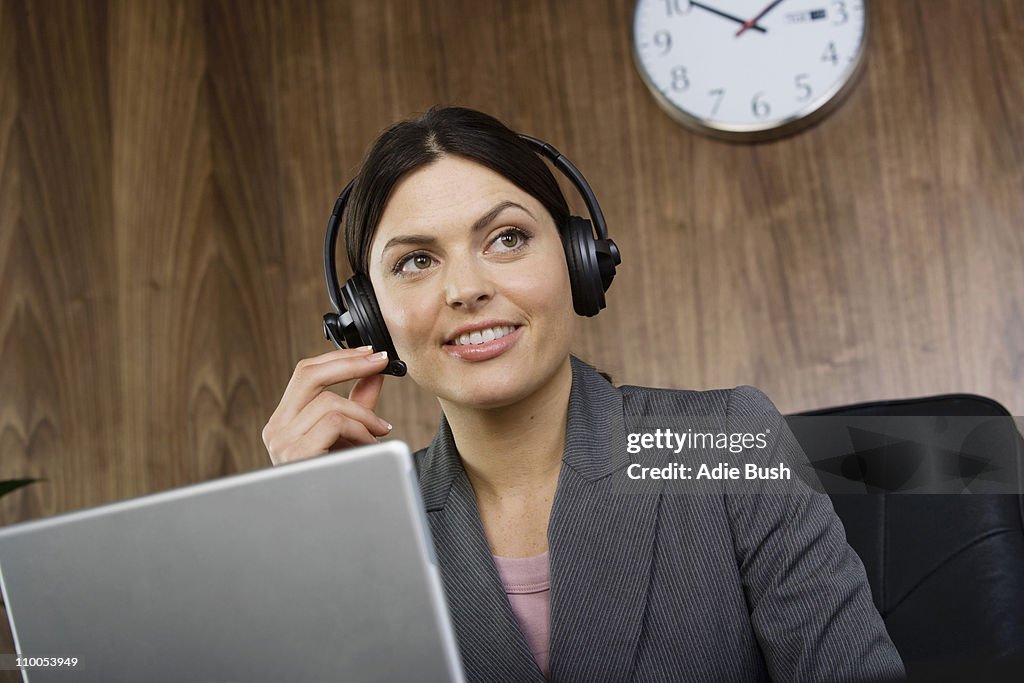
528, 586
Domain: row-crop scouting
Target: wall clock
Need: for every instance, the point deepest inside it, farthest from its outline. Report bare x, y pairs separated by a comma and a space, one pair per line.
747, 70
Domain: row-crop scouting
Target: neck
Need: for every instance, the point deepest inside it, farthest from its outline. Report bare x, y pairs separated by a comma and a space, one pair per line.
514, 448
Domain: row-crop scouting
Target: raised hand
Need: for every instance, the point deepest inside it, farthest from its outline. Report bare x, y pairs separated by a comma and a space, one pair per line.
311, 420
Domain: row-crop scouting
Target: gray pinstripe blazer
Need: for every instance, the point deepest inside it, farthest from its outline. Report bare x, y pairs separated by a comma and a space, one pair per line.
661, 587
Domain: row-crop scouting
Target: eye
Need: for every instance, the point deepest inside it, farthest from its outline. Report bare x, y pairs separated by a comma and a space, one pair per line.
413, 263
511, 239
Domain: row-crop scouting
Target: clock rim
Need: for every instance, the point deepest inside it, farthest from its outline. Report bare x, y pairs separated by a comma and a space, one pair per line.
800, 120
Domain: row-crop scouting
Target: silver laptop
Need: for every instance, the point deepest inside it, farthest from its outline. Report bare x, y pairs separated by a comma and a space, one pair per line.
319, 570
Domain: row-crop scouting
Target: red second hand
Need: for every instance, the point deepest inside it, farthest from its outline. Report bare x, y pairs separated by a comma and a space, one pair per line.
750, 23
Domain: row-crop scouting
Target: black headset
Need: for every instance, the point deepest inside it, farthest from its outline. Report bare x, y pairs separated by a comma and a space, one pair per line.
357, 320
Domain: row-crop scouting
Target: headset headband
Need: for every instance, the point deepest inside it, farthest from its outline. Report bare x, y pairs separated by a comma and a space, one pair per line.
330, 271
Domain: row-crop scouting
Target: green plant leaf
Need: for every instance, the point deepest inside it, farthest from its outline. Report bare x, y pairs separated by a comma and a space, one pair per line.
9, 485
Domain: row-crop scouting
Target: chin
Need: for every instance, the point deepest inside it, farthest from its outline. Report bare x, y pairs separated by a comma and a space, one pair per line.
492, 397
483, 387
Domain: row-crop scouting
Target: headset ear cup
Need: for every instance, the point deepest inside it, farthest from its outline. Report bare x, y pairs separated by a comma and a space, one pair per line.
358, 331
584, 273
368, 326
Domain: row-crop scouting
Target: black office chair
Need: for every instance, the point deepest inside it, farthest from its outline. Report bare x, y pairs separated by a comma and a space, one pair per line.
946, 570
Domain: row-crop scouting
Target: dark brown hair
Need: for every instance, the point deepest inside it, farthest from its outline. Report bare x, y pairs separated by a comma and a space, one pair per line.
412, 144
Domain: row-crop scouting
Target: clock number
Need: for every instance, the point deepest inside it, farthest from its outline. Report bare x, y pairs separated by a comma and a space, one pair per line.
679, 7
760, 108
718, 93
804, 87
843, 15
829, 55
680, 81
663, 39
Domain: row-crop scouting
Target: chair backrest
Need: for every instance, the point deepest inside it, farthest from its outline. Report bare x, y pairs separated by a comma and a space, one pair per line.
946, 570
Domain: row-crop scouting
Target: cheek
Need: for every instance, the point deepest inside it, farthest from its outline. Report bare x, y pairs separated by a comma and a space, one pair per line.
544, 286
408, 318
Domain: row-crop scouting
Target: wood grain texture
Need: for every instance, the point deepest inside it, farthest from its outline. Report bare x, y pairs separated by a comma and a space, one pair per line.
167, 168
12, 423
61, 354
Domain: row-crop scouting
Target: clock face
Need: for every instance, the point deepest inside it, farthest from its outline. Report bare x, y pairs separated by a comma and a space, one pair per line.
748, 69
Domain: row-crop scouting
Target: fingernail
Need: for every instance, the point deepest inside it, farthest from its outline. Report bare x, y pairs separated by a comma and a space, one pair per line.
387, 426
376, 357
366, 348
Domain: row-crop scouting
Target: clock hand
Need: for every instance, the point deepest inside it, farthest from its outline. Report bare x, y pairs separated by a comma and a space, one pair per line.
750, 23
720, 13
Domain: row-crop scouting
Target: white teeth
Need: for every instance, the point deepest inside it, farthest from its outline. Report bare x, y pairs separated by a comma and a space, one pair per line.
481, 336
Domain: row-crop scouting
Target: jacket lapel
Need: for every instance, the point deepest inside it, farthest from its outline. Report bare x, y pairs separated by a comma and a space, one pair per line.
601, 540
601, 543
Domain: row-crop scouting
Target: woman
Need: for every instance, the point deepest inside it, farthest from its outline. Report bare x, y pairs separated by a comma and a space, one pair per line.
551, 570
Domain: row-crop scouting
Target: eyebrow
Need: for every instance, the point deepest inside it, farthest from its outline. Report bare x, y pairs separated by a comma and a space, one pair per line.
480, 224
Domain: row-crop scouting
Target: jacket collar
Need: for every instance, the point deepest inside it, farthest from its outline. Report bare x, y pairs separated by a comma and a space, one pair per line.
601, 544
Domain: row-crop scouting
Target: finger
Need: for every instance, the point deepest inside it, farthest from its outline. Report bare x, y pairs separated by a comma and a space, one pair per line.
331, 432
286, 407
311, 378
366, 391
332, 428
327, 402
320, 375
338, 353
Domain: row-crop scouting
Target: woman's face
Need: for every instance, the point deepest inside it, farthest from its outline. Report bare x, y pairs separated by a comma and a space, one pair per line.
471, 279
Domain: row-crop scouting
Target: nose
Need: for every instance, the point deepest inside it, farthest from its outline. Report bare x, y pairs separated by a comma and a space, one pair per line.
467, 286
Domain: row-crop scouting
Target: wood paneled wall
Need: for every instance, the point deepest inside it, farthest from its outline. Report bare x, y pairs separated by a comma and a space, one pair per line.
167, 168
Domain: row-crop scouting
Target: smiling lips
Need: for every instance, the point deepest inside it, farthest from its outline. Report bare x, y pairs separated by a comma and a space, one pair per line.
483, 343
485, 335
